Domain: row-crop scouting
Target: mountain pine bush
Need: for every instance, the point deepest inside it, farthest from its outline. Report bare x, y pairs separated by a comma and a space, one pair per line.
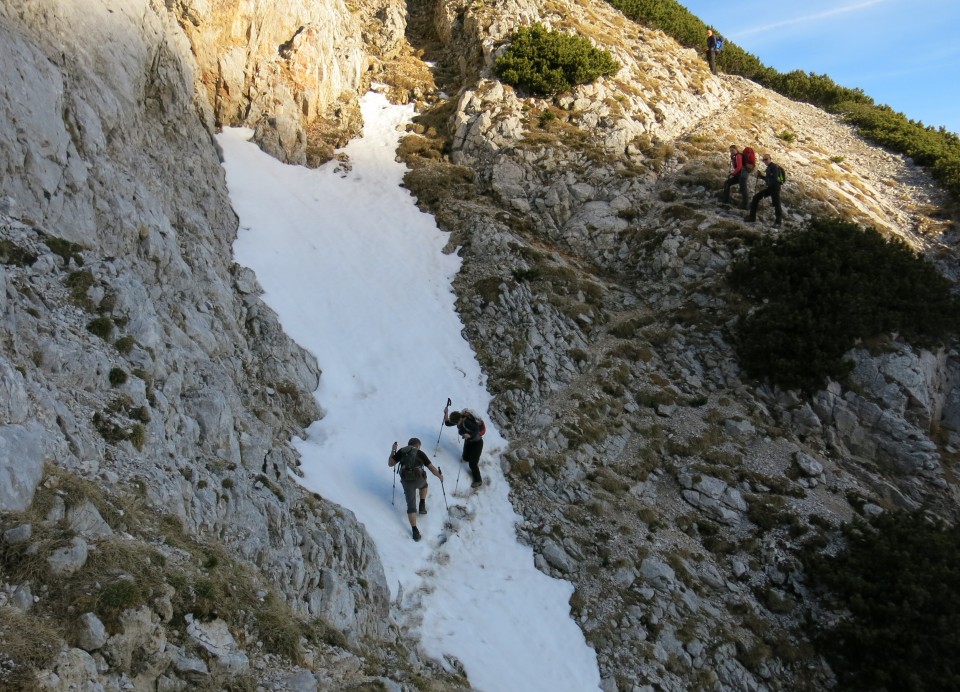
897, 584
546, 62
820, 290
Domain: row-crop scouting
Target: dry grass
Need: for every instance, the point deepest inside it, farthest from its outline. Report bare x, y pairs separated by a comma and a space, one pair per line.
27, 644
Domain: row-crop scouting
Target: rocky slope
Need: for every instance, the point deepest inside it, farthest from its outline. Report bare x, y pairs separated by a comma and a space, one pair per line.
151, 535
670, 490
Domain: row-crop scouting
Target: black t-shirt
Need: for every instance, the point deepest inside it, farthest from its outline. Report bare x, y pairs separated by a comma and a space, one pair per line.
420, 461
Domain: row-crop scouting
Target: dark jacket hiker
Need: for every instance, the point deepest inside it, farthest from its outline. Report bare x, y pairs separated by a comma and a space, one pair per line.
773, 178
410, 463
471, 428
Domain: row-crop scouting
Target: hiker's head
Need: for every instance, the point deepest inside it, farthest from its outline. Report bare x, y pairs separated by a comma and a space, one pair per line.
414, 442
455, 417
733, 149
766, 158
709, 32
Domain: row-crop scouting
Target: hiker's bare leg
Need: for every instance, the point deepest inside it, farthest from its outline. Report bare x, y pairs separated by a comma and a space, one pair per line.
412, 518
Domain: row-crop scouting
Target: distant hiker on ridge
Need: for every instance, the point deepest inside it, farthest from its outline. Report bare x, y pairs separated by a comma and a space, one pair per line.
773, 177
739, 175
712, 51
413, 478
471, 428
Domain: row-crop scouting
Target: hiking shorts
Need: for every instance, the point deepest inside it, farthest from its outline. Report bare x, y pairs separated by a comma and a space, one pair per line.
410, 489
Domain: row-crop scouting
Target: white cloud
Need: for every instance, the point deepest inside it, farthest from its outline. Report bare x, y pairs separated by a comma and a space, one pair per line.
810, 17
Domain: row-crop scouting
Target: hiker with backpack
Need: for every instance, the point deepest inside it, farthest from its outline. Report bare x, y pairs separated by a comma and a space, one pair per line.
410, 462
471, 428
773, 177
739, 175
714, 44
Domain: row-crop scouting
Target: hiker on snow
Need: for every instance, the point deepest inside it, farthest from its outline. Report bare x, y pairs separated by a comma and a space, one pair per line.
773, 177
471, 428
712, 51
413, 478
739, 175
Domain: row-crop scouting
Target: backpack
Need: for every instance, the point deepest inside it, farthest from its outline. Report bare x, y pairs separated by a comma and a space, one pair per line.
781, 175
475, 424
719, 43
749, 157
408, 466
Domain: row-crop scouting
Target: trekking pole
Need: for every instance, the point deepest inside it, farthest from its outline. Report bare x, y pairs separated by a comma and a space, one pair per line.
441, 430
394, 495
440, 471
457, 484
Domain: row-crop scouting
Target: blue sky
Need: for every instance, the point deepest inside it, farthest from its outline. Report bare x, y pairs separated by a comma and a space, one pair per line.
903, 53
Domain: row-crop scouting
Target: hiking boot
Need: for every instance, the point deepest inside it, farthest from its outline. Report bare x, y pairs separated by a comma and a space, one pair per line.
423, 506
476, 484
777, 223
416, 534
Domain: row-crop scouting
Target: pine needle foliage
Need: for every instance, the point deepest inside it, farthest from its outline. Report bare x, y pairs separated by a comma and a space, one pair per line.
545, 62
897, 582
819, 290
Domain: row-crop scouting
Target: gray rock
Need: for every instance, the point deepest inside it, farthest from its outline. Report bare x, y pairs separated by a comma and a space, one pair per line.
557, 557
91, 634
299, 681
739, 428
22, 598
657, 572
18, 534
872, 511
215, 638
22, 455
66, 561
808, 465
189, 667
86, 520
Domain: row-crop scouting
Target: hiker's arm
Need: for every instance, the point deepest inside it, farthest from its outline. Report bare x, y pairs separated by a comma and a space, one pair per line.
391, 460
446, 417
435, 471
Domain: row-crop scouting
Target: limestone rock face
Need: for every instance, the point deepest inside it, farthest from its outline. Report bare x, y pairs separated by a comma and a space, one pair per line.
280, 67
115, 209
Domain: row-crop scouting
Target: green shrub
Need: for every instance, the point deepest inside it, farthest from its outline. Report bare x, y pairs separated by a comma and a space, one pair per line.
11, 253
898, 581
546, 62
125, 344
787, 136
100, 326
117, 377
821, 289
65, 249
114, 598
78, 282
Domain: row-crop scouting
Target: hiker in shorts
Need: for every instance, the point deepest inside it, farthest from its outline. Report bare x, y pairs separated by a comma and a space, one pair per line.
471, 428
771, 177
712, 51
413, 478
739, 175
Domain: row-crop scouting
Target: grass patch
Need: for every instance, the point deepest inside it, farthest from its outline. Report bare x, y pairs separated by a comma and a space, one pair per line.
27, 644
13, 254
